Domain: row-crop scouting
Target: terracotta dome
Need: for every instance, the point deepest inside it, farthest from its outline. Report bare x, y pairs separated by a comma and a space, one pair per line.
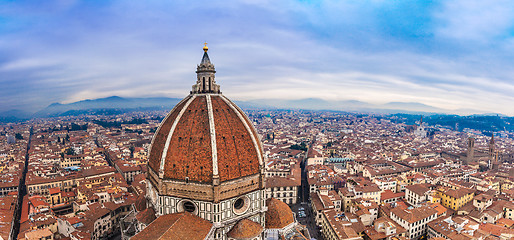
279, 215
206, 159
206, 138
245, 229
202, 135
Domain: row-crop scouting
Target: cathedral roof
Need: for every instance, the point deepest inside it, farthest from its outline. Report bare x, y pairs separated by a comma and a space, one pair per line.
279, 215
146, 216
182, 225
140, 203
245, 229
206, 138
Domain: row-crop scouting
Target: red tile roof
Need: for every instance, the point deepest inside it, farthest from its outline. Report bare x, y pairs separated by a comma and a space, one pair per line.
458, 193
419, 189
54, 190
414, 215
161, 135
278, 215
388, 194
189, 153
237, 155
245, 229
146, 216
182, 225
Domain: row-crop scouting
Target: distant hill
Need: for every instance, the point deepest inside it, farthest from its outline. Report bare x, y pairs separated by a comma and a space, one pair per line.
117, 105
306, 104
412, 106
485, 123
14, 115
353, 106
106, 105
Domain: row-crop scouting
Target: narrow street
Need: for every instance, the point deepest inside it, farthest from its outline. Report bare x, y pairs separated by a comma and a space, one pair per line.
107, 157
304, 203
22, 191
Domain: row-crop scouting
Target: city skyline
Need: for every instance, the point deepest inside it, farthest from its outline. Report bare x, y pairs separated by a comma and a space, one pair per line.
208, 170
451, 55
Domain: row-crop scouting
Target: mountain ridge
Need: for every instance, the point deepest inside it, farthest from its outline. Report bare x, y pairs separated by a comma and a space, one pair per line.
123, 104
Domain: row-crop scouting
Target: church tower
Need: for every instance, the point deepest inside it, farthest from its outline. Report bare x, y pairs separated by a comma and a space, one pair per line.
471, 151
491, 148
493, 155
420, 131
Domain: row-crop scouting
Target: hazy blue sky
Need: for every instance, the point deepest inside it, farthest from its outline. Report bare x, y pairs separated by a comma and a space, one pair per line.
448, 54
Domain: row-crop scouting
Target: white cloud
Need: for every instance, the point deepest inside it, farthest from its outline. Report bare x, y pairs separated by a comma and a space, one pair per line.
475, 20
290, 50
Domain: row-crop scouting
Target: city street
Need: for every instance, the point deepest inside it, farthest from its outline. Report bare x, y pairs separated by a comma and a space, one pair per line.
308, 220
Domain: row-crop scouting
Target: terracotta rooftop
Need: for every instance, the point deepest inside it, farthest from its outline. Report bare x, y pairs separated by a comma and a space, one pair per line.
185, 139
245, 229
140, 203
418, 189
278, 215
182, 225
39, 234
347, 227
439, 208
483, 197
457, 193
505, 222
381, 223
146, 216
54, 190
497, 230
414, 215
388, 194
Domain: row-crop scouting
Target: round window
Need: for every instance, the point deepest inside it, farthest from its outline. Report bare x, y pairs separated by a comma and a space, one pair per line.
241, 205
189, 207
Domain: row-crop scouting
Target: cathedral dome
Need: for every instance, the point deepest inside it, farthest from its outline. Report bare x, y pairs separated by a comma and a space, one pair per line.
205, 136
206, 148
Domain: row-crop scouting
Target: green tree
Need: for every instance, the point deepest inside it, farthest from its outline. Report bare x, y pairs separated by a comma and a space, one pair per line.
131, 148
18, 136
70, 151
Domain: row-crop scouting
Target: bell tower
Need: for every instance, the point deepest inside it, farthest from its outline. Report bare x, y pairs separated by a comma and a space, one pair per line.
493, 155
491, 147
471, 151
205, 79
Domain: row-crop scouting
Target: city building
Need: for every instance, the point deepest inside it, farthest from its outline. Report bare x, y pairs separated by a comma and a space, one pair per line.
455, 198
414, 220
420, 131
416, 194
